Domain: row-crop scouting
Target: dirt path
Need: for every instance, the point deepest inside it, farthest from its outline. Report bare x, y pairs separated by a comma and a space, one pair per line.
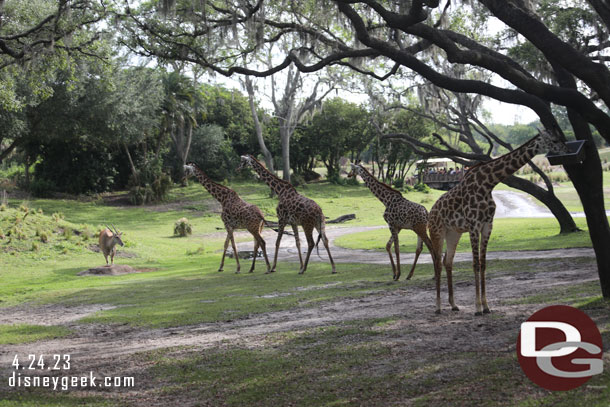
288, 250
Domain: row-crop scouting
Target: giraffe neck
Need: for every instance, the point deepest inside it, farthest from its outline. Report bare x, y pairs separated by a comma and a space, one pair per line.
221, 193
491, 173
382, 191
279, 186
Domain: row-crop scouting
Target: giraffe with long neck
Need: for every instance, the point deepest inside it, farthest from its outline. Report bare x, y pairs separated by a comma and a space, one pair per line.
400, 213
469, 207
293, 209
236, 214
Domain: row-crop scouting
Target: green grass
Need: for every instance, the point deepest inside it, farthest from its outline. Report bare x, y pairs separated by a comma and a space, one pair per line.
508, 234
23, 333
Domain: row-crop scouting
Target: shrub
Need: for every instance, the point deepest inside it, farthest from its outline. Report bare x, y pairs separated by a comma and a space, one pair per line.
398, 183
408, 188
161, 187
42, 188
153, 192
182, 228
297, 180
421, 187
67, 233
57, 216
44, 236
353, 181
335, 178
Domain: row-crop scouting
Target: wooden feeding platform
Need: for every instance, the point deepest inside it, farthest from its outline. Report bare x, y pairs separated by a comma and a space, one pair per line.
576, 154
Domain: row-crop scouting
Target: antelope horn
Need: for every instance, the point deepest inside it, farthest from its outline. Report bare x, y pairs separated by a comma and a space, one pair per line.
115, 232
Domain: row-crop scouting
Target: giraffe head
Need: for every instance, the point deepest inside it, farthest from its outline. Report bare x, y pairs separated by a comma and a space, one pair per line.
189, 169
246, 161
550, 141
356, 170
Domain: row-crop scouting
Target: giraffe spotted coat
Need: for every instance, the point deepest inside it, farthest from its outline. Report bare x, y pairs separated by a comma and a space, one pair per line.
400, 213
469, 207
293, 209
236, 214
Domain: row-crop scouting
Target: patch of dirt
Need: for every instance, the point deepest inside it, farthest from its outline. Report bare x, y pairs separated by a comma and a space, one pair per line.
116, 200
113, 270
52, 314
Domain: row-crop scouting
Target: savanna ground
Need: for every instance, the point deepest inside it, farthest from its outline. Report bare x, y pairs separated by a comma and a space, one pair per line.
192, 336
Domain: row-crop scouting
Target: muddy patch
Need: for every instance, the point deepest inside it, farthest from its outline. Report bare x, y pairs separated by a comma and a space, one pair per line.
54, 314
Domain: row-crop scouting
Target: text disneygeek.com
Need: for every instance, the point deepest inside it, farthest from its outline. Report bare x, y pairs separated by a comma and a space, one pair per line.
24, 375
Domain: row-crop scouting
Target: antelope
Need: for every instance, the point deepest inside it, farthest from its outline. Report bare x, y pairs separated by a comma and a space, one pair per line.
108, 241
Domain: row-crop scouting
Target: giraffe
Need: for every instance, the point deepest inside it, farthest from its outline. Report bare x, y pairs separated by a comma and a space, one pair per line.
292, 209
400, 213
236, 214
469, 207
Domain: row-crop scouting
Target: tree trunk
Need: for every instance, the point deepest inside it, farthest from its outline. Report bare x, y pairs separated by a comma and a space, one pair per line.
587, 178
285, 139
134, 172
566, 223
258, 127
9, 149
27, 171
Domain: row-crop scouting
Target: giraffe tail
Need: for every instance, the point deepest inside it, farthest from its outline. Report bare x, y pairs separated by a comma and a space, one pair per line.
273, 226
317, 247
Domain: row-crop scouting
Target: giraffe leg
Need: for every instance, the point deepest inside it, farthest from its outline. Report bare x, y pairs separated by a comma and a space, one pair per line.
297, 240
388, 247
310, 245
395, 233
418, 250
476, 266
280, 232
485, 234
453, 238
224, 252
437, 241
422, 236
256, 244
235, 253
263, 246
322, 231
